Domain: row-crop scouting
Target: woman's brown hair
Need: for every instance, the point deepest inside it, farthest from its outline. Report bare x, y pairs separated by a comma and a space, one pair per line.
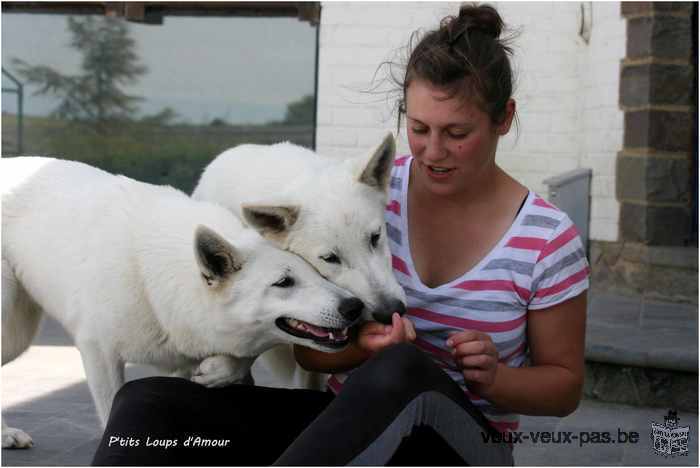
466, 56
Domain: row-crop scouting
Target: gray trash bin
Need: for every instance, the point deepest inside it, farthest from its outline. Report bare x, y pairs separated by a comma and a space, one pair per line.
571, 193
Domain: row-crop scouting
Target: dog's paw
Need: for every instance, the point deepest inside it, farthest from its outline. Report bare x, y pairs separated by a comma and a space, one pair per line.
15, 438
219, 371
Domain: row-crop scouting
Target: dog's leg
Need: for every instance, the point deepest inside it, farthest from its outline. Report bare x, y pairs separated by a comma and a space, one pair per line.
184, 373
280, 364
220, 371
20, 315
15, 438
20, 320
105, 375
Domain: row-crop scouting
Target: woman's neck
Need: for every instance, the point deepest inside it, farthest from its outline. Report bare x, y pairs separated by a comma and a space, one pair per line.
481, 190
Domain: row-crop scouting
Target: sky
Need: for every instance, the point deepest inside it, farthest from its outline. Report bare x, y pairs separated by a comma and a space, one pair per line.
241, 70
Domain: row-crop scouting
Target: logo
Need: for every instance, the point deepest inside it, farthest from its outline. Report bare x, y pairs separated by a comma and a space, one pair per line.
669, 439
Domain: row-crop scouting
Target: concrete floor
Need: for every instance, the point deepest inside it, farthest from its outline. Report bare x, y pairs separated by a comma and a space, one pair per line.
44, 392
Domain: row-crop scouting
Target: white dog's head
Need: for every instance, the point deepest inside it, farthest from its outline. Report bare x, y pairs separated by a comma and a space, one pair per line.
261, 296
338, 227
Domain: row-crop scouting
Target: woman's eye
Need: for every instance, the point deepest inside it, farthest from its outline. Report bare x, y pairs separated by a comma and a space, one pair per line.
419, 130
457, 135
330, 258
286, 282
374, 239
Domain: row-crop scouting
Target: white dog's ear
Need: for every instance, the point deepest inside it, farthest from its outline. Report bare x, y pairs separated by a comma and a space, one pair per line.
272, 222
377, 170
216, 257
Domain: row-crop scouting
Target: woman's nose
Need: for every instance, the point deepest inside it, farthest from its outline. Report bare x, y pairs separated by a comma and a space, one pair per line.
435, 148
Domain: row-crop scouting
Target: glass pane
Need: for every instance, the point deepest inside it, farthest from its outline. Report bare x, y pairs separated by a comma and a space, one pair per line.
155, 102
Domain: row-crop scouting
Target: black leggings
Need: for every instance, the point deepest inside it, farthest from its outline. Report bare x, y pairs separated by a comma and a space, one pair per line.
398, 408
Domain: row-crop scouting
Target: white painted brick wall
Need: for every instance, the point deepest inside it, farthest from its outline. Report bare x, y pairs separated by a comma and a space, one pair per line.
566, 90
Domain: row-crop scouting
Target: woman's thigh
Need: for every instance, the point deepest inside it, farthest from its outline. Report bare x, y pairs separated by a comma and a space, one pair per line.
169, 421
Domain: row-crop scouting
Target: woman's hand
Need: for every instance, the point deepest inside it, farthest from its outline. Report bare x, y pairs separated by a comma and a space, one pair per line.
476, 357
374, 336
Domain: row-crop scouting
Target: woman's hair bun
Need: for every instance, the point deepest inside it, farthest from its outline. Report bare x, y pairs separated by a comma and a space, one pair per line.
485, 18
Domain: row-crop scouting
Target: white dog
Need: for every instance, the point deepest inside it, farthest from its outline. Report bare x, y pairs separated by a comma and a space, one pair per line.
326, 210
132, 273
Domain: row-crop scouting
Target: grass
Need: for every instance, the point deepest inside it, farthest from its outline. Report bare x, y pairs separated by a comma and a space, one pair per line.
162, 155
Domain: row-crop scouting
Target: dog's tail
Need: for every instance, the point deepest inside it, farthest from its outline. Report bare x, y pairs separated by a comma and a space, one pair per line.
20, 316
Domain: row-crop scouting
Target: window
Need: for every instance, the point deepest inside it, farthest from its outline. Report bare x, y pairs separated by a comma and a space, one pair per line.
156, 99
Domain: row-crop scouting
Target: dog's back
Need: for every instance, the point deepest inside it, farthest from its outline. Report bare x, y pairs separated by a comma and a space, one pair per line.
37, 193
66, 239
254, 173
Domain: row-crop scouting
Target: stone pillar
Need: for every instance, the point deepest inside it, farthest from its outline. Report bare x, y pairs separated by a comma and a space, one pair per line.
656, 255
657, 93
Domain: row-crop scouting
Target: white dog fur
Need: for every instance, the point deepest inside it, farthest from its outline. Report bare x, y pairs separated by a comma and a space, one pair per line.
141, 273
328, 211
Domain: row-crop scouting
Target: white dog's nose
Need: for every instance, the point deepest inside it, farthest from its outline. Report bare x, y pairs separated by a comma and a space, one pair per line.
398, 306
351, 308
383, 314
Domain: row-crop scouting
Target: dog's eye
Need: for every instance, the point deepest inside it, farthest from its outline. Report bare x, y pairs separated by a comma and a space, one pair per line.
330, 258
286, 282
374, 239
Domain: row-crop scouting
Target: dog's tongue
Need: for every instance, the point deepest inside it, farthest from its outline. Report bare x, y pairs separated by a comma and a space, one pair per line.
316, 331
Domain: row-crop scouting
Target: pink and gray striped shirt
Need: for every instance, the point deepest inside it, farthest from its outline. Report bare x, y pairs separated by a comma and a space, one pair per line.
538, 263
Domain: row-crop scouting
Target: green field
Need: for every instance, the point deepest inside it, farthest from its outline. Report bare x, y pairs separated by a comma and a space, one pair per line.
172, 155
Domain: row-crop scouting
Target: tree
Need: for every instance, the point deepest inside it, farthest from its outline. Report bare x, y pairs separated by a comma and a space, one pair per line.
301, 111
166, 116
109, 62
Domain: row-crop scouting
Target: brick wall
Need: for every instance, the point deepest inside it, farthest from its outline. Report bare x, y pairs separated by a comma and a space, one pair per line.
566, 90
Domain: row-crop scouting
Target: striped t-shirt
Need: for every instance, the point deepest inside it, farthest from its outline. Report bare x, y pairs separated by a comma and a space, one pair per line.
538, 263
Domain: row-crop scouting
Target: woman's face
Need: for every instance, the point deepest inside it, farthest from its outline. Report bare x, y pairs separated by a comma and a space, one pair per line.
453, 141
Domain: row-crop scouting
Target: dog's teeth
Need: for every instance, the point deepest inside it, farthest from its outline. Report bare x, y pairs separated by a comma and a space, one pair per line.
330, 334
299, 325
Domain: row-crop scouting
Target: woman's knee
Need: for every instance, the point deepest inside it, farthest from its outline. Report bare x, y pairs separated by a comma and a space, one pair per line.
396, 368
402, 355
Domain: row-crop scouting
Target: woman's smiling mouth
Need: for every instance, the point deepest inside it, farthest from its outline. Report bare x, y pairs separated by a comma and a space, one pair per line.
440, 170
437, 172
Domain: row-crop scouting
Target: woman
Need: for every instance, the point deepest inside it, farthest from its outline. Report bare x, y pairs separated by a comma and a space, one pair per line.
495, 278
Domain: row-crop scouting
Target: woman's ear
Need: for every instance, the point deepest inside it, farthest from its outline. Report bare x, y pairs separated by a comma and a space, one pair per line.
504, 127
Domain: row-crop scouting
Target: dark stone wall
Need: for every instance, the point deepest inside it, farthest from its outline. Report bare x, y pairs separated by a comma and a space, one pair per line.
660, 273
658, 130
646, 83
641, 386
657, 93
653, 178
659, 33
